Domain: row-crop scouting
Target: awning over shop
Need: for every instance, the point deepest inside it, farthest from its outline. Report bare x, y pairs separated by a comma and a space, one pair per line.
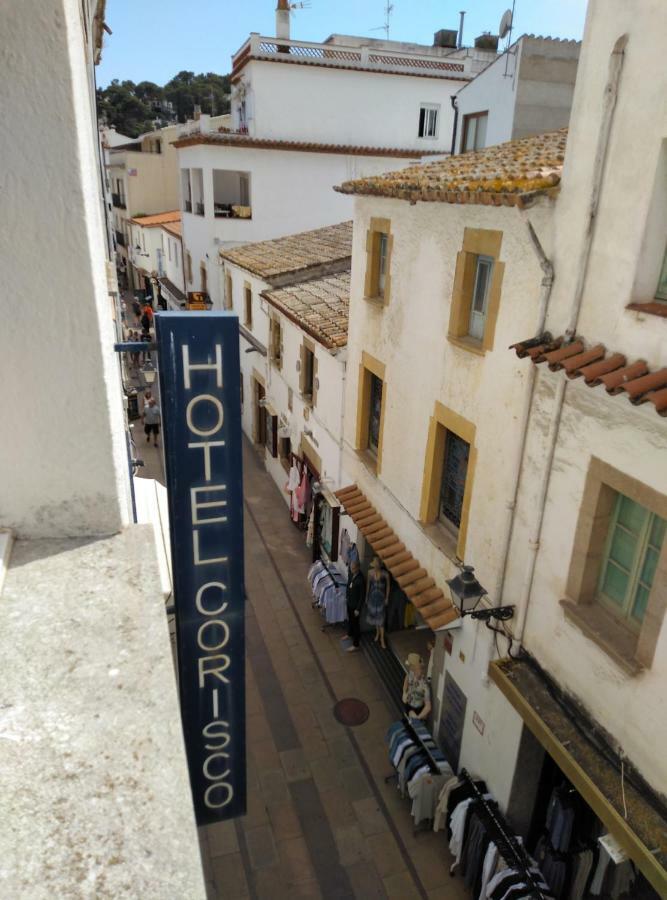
435, 608
177, 295
562, 731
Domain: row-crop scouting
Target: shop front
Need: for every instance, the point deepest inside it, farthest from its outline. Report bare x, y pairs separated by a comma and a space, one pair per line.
595, 828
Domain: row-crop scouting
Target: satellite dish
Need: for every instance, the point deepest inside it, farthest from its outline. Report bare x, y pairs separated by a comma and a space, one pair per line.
505, 24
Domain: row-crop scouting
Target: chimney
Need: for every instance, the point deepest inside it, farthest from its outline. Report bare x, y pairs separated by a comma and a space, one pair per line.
282, 19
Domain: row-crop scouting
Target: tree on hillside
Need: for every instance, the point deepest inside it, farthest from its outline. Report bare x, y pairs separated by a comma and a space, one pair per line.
135, 108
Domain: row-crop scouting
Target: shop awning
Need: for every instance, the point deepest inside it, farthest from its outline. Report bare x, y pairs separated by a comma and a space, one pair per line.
435, 608
562, 731
170, 287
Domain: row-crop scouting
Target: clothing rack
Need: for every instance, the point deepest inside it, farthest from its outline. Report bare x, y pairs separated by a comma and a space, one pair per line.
434, 767
510, 849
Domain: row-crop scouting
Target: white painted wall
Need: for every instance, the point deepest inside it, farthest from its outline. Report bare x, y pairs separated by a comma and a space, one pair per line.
63, 455
289, 192
172, 258
313, 103
526, 91
324, 420
410, 337
626, 255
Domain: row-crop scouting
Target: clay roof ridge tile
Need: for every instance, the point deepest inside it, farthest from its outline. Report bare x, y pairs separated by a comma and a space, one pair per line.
574, 364
593, 373
556, 358
658, 399
614, 381
640, 386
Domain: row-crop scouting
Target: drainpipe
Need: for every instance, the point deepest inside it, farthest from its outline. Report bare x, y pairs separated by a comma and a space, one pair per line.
608, 109
545, 296
456, 122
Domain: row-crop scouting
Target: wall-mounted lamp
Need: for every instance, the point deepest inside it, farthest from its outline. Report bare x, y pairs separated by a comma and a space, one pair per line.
149, 372
467, 594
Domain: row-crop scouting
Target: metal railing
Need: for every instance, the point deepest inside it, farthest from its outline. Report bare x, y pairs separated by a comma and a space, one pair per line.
118, 201
260, 47
120, 239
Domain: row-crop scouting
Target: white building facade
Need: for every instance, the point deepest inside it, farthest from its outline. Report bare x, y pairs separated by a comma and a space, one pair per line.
293, 322
272, 172
555, 471
527, 90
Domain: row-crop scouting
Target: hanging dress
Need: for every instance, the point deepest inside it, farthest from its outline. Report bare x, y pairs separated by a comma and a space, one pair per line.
375, 608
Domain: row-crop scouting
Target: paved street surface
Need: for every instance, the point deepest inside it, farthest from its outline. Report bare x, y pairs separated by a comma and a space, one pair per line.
321, 822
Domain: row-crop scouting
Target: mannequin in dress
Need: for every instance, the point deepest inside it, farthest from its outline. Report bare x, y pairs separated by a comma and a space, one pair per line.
416, 691
377, 599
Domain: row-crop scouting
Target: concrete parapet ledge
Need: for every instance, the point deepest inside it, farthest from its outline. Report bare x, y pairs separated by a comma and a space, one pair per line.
93, 778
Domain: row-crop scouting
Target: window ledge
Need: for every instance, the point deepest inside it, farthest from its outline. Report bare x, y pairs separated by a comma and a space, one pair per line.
441, 538
380, 302
369, 461
651, 308
467, 343
619, 643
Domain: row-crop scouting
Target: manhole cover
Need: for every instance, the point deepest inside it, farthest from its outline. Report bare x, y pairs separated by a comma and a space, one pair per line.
351, 712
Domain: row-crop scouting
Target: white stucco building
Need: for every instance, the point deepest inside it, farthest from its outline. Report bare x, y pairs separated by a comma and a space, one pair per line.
547, 476
291, 295
526, 90
92, 761
151, 247
304, 117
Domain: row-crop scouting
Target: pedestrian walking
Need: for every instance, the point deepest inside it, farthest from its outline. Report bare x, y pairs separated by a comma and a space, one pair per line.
377, 598
151, 419
136, 309
146, 318
134, 356
355, 601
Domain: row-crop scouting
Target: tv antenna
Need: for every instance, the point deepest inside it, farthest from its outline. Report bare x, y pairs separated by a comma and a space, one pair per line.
388, 10
302, 4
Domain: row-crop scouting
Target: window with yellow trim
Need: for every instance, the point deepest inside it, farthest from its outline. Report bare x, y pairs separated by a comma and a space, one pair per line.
378, 250
247, 306
477, 287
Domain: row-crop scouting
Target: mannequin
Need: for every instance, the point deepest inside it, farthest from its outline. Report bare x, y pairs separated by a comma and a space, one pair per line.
377, 599
416, 691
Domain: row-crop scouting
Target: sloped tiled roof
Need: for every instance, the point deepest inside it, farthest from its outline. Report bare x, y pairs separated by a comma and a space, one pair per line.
597, 366
294, 253
173, 228
230, 139
506, 174
158, 218
320, 307
434, 606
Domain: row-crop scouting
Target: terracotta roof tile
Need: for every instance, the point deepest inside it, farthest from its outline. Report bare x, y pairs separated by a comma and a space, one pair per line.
320, 307
659, 400
294, 253
593, 374
157, 219
231, 139
436, 609
173, 228
574, 364
508, 174
555, 358
615, 380
613, 371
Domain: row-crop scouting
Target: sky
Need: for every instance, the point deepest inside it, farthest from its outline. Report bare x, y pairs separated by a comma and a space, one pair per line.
152, 40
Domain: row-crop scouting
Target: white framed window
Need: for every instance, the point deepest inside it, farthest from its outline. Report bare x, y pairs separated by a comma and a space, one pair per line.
480, 296
474, 131
428, 120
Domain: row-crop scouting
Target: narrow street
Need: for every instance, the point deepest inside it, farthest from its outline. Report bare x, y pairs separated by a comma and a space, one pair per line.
321, 821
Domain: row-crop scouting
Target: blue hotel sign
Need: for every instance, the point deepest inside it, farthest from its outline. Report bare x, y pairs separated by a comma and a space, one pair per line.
200, 398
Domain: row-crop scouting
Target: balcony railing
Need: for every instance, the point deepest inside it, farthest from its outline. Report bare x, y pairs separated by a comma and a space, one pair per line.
231, 211
343, 56
120, 239
187, 205
118, 201
199, 209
